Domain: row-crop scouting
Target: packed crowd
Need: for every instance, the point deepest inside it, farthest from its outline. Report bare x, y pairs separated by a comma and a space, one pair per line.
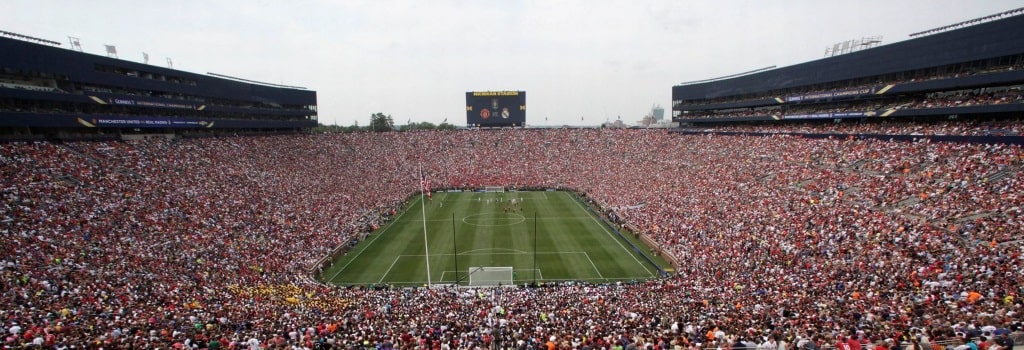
782, 242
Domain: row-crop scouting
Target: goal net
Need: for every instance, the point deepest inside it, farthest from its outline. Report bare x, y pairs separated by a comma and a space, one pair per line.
490, 276
497, 189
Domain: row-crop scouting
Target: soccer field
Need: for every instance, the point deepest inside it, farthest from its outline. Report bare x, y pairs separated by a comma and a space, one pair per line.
542, 236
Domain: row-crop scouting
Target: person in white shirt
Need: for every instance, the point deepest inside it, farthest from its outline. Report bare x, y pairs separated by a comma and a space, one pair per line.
253, 344
782, 344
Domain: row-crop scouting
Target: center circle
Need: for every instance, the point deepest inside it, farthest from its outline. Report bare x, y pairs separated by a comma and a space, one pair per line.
506, 219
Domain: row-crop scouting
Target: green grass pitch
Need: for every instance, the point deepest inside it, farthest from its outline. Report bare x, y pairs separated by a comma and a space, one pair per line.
491, 230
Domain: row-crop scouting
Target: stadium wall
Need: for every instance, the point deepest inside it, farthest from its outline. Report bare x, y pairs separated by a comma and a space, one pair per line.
79, 66
93, 121
983, 139
982, 41
95, 92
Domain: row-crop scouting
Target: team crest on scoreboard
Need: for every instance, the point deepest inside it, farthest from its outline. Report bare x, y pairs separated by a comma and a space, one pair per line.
495, 108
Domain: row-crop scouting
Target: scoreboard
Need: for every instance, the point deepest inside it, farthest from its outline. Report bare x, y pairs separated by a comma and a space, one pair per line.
495, 108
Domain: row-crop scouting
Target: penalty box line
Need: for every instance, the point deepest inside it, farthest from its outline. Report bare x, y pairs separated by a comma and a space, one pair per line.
624, 279
530, 195
395, 262
528, 218
484, 253
540, 274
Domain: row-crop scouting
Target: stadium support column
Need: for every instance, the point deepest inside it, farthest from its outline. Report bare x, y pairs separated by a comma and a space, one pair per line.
455, 250
423, 210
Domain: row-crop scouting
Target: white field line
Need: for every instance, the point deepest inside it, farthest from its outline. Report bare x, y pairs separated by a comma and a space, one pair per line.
542, 278
389, 269
381, 233
476, 254
613, 237
595, 266
541, 218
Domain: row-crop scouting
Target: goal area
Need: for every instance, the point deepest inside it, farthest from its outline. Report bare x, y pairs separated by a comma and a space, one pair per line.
490, 276
494, 189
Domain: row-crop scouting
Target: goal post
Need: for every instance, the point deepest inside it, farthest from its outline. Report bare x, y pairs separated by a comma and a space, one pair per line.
491, 276
494, 189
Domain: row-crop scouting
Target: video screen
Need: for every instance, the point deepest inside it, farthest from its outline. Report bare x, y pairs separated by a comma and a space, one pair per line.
495, 108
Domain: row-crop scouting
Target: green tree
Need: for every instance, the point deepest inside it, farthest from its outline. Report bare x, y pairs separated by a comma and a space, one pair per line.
445, 126
333, 128
419, 126
380, 122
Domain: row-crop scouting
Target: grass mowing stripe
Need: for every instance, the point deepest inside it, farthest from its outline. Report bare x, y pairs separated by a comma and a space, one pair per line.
506, 224
488, 254
367, 246
488, 229
613, 237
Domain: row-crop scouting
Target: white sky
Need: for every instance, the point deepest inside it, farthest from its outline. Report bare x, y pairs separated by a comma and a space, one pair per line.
593, 60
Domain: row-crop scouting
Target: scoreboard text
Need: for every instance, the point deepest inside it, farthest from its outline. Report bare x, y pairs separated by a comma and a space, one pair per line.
495, 108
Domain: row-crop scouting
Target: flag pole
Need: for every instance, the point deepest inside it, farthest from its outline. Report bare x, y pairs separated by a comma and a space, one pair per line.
423, 210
